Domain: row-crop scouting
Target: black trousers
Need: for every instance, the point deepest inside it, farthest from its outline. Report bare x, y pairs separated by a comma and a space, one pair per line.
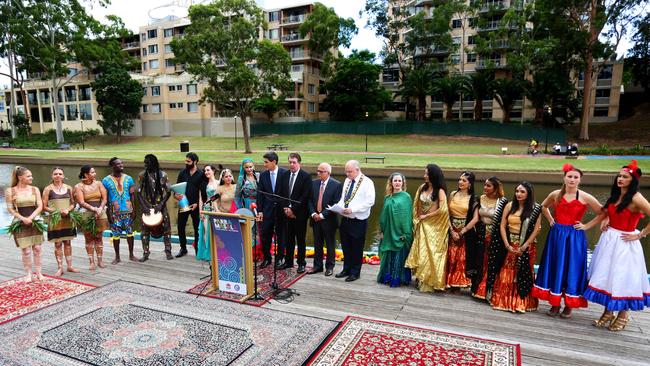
182, 222
269, 226
353, 238
324, 233
296, 232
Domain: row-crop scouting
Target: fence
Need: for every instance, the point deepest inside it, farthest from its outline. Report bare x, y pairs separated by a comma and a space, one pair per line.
470, 128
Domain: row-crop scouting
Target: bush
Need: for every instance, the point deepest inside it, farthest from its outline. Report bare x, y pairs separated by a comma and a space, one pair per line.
606, 150
47, 140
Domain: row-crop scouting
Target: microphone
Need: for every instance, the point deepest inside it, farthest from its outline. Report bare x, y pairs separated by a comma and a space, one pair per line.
254, 208
213, 198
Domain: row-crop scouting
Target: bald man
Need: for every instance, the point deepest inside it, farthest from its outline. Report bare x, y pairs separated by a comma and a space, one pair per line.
357, 198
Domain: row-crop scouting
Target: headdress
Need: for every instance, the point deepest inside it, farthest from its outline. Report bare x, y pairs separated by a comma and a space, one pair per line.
567, 168
633, 169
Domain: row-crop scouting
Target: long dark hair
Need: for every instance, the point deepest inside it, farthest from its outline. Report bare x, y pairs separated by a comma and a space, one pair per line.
615, 193
528, 204
471, 178
156, 190
498, 186
437, 180
84, 170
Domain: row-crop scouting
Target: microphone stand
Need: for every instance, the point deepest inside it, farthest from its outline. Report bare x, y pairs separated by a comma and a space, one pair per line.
257, 235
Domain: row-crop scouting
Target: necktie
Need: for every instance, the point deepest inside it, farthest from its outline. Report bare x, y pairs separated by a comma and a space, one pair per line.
291, 180
348, 194
319, 205
273, 181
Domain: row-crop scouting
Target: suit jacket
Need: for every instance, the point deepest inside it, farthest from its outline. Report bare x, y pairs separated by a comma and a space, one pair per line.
331, 196
266, 204
301, 193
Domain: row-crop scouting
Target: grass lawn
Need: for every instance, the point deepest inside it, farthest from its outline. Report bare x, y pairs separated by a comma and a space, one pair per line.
399, 150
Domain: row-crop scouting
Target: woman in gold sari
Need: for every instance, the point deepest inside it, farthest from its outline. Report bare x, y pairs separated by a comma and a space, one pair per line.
428, 254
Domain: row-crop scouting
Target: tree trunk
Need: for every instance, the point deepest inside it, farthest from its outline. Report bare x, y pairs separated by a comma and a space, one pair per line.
586, 91
449, 114
57, 117
506, 113
247, 142
119, 132
478, 110
422, 108
539, 115
12, 101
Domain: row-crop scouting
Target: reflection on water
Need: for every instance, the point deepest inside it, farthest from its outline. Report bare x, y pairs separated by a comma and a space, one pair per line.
42, 177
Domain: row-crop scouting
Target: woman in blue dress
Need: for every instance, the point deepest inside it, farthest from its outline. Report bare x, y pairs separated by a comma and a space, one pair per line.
246, 191
203, 249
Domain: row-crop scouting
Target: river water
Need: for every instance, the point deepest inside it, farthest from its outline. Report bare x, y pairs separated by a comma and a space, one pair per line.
42, 175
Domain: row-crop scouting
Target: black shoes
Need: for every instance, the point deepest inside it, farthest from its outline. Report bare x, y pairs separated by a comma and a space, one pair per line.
265, 263
144, 258
314, 270
279, 264
351, 278
181, 253
342, 274
328, 272
301, 268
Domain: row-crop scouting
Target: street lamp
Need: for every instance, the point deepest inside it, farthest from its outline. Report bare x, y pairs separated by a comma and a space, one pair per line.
366, 131
83, 142
235, 131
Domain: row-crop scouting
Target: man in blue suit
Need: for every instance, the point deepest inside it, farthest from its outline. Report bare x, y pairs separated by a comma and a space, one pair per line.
270, 209
325, 192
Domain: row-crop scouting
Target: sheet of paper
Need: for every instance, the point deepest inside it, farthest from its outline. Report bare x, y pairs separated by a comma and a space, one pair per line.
337, 208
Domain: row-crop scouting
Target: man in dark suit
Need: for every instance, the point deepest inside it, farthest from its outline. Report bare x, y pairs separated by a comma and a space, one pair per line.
325, 192
296, 185
270, 209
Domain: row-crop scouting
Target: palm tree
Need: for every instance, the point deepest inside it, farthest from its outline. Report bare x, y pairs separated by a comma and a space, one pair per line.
448, 89
416, 84
481, 88
507, 91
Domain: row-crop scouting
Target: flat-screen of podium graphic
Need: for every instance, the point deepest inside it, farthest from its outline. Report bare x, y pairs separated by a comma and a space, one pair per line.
231, 254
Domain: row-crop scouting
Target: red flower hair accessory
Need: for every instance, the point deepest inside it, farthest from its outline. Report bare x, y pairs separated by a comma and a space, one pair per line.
633, 169
567, 167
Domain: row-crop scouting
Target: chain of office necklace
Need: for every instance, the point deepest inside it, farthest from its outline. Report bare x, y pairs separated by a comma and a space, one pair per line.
356, 188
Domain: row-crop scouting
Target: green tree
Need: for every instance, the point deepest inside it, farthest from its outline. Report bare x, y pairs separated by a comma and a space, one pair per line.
448, 89
639, 55
417, 85
327, 31
506, 92
354, 90
48, 36
221, 46
480, 87
269, 105
119, 99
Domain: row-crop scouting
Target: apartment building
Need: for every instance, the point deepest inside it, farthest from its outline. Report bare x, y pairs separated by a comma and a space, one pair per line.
464, 58
170, 105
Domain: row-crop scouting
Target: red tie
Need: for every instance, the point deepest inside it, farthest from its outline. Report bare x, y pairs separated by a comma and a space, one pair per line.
319, 205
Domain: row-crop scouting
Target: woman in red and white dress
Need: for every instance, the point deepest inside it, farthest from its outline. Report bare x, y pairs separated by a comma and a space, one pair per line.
617, 274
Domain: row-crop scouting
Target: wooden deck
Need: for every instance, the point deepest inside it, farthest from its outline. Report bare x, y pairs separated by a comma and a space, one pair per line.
544, 340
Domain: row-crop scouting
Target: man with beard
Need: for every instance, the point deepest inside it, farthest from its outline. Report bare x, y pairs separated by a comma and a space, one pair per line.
195, 184
120, 211
153, 193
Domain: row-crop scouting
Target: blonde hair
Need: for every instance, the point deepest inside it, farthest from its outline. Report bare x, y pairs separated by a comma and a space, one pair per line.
223, 173
389, 184
18, 172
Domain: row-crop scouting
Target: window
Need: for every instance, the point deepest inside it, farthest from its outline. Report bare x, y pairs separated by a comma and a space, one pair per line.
31, 97
169, 62
274, 33
45, 97
152, 33
144, 91
85, 111
179, 87
455, 59
179, 105
145, 108
601, 112
72, 71
274, 16
47, 114
192, 106
143, 37
168, 48
471, 58
471, 40
311, 89
85, 93
297, 68
515, 113
455, 40
153, 64
61, 112
311, 107
144, 51
72, 111
472, 22
171, 88
144, 66
487, 114
70, 94
172, 105
168, 32
390, 75
456, 23
61, 96
191, 89
155, 91
606, 72
602, 93
155, 108
153, 49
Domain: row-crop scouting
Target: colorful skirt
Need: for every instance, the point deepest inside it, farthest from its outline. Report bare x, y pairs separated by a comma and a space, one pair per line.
505, 295
203, 247
563, 270
617, 274
457, 258
482, 288
391, 267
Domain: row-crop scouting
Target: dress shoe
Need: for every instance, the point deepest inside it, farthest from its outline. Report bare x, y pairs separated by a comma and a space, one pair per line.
342, 274
181, 253
351, 278
301, 269
265, 263
314, 270
287, 266
145, 257
279, 264
170, 256
328, 272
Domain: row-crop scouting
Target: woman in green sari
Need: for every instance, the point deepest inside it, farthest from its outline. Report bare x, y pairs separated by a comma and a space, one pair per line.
397, 233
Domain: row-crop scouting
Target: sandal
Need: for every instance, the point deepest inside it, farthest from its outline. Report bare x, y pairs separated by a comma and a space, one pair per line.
618, 324
553, 311
604, 320
566, 313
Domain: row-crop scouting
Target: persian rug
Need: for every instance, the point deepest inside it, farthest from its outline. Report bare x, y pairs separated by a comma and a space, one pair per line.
20, 298
360, 341
125, 323
285, 278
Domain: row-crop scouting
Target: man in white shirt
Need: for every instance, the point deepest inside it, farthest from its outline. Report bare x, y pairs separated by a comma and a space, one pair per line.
357, 198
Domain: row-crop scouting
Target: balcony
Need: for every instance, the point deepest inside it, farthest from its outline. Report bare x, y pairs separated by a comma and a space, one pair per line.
488, 6
604, 82
500, 44
292, 38
131, 45
296, 76
299, 56
293, 19
602, 101
179, 68
423, 2
431, 51
491, 63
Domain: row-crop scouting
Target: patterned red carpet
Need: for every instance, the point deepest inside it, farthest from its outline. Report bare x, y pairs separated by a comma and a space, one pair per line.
285, 278
20, 298
360, 341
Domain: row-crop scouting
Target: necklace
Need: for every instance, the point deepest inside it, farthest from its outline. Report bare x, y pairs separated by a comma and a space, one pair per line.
354, 192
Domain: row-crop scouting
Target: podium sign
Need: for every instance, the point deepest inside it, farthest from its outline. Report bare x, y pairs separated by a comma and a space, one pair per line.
229, 243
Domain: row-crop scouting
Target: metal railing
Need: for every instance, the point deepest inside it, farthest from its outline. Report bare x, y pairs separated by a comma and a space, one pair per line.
294, 19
